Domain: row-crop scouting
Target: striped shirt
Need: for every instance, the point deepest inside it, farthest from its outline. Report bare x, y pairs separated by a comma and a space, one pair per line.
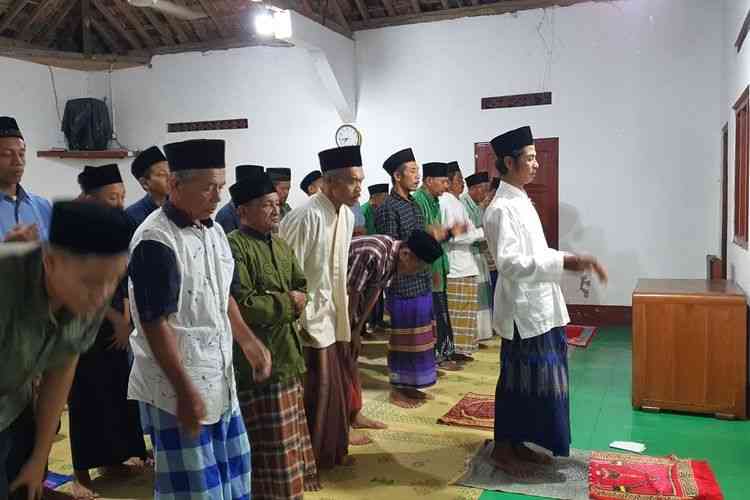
398, 217
372, 262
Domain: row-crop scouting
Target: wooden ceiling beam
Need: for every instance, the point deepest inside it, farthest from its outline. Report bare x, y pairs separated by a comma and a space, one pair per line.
212, 14
11, 14
503, 7
339, 13
178, 28
57, 21
72, 60
130, 14
318, 18
446, 5
415, 6
226, 44
163, 30
106, 35
196, 26
86, 26
362, 8
115, 23
389, 7
36, 21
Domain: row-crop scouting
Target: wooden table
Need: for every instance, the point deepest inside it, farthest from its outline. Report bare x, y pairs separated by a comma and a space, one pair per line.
690, 347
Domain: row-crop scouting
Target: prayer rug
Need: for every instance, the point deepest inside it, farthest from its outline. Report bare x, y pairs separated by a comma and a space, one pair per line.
55, 480
579, 336
473, 410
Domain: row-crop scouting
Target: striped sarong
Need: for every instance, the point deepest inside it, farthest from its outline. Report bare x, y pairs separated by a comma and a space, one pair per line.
213, 466
531, 398
484, 313
282, 453
463, 305
411, 347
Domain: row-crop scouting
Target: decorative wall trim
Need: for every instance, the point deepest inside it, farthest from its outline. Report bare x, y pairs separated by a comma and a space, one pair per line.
207, 125
594, 315
517, 101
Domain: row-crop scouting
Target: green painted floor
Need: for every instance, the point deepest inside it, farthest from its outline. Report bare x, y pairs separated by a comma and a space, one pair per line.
601, 413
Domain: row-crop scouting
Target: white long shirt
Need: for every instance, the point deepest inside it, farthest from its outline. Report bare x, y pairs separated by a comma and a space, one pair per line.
529, 272
320, 237
460, 250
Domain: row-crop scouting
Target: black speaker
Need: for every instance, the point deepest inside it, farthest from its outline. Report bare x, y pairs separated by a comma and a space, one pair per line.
87, 125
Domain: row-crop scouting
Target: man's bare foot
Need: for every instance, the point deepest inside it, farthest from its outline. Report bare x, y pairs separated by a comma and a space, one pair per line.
526, 454
362, 422
359, 438
312, 483
504, 459
462, 358
450, 366
83, 491
402, 400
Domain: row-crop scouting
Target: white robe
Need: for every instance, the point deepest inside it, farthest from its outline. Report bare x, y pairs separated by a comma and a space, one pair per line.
320, 237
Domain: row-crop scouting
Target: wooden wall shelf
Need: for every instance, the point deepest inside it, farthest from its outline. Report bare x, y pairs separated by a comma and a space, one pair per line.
114, 154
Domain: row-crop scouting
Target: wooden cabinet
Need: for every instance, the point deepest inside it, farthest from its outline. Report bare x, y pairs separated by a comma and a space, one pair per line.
690, 347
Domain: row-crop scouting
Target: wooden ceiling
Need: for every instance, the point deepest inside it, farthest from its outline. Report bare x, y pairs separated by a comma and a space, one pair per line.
112, 32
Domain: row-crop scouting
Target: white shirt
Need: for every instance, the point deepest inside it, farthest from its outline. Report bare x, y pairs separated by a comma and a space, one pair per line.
528, 291
320, 237
460, 250
201, 323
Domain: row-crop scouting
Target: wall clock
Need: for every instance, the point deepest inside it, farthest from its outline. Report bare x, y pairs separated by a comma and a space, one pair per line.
348, 135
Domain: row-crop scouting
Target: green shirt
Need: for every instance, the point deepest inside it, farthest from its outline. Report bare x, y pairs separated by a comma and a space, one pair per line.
369, 214
267, 271
430, 208
285, 209
32, 339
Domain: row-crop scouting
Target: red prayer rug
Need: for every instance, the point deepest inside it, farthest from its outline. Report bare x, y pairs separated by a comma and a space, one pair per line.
473, 410
579, 336
621, 476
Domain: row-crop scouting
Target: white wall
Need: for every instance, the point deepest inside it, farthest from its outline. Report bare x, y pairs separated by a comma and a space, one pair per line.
26, 94
737, 77
635, 87
290, 116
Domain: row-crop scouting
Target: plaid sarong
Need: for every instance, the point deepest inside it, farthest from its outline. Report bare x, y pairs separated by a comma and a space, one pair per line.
463, 305
282, 453
215, 466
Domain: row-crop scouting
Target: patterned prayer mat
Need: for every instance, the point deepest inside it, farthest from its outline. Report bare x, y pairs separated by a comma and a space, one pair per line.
579, 336
565, 478
473, 410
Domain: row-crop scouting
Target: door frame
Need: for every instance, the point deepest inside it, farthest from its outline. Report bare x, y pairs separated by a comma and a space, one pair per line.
724, 198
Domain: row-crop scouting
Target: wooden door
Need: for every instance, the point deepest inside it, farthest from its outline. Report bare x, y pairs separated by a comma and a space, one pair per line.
724, 198
544, 191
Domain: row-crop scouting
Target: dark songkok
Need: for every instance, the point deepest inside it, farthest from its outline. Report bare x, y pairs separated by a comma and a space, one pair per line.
251, 188
195, 154
453, 168
478, 178
89, 228
9, 127
280, 174
397, 159
495, 183
95, 177
435, 169
424, 246
309, 179
242, 172
505, 144
337, 158
144, 160
378, 188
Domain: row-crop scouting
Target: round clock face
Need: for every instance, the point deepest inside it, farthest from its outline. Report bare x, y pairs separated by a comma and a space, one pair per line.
348, 135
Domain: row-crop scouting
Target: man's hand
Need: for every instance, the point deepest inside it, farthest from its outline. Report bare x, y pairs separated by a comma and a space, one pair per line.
22, 233
299, 300
438, 232
583, 263
190, 410
356, 344
458, 229
121, 337
259, 358
31, 478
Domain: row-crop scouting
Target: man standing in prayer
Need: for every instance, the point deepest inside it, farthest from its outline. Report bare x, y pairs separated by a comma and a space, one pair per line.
378, 192
23, 216
282, 180
52, 301
151, 170
271, 294
531, 399
180, 270
227, 216
434, 184
320, 232
462, 285
411, 344
373, 263
105, 428
311, 183
475, 201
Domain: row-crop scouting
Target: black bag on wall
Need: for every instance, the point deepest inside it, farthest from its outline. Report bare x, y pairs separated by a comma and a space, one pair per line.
86, 124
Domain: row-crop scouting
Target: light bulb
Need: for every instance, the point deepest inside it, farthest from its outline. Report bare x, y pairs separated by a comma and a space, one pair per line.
282, 24
264, 23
